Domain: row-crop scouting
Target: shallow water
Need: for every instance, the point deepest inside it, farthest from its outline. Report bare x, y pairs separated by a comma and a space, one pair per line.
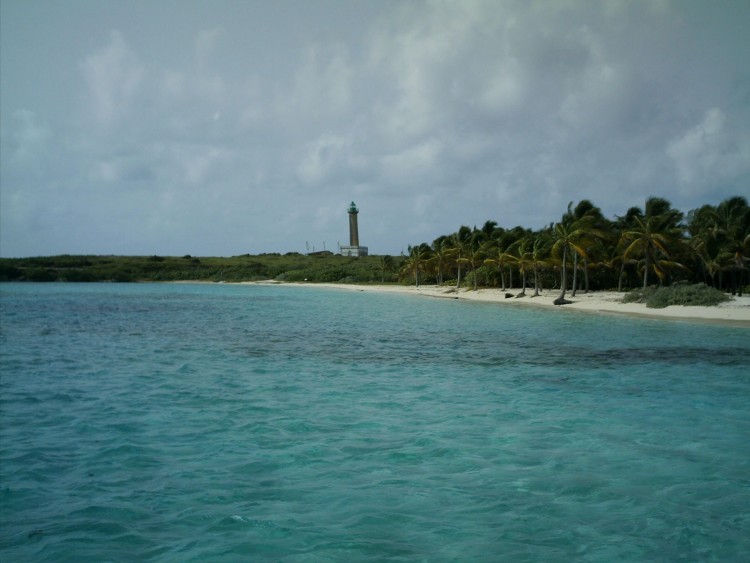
223, 422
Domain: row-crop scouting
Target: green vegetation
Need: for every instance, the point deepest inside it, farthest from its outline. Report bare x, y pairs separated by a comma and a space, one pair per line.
585, 251
677, 294
582, 251
318, 267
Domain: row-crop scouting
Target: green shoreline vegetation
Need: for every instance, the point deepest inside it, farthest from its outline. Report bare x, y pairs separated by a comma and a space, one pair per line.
693, 258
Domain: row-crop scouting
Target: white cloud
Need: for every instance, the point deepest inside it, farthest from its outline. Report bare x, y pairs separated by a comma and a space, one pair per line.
200, 164
320, 90
113, 75
205, 45
31, 138
430, 114
321, 157
709, 152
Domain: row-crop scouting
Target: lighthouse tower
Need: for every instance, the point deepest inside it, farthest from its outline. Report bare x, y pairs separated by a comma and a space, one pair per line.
353, 249
353, 229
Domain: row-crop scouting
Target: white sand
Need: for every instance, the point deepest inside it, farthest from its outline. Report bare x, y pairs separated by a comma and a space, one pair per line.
735, 312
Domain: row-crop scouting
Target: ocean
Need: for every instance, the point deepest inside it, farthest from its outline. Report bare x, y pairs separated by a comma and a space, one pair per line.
188, 422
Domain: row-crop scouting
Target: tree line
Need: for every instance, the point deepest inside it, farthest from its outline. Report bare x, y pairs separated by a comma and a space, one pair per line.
655, 244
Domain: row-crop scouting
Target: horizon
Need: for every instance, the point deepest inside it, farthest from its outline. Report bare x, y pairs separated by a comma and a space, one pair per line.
312, 249
235, 127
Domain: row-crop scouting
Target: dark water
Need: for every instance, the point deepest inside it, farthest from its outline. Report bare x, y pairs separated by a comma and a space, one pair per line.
225, 423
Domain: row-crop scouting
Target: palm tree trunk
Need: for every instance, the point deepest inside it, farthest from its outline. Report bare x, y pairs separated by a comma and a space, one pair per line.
619, 280
523, 284
645, 272
586, 274
575, 274
561, 298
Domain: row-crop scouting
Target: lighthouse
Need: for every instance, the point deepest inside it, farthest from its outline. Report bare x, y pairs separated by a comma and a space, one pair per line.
354, 249
353, 228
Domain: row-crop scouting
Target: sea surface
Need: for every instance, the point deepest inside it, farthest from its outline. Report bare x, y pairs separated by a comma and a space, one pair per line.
179, 422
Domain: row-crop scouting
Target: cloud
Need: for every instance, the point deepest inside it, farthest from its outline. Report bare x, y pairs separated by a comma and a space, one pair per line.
231, 134
709, 151
113, 75
31, 138
322, 157
205, 45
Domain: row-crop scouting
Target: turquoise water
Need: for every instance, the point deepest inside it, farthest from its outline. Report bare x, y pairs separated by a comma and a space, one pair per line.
225, 423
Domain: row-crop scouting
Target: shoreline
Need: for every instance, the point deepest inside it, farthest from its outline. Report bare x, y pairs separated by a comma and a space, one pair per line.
734, 313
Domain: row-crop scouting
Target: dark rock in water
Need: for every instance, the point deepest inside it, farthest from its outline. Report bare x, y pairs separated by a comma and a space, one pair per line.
561, 301
508, 295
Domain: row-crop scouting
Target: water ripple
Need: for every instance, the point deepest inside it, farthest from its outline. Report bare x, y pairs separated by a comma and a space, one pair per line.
221, 423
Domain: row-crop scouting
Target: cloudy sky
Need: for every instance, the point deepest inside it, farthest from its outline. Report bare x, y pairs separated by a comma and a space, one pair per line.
224, 127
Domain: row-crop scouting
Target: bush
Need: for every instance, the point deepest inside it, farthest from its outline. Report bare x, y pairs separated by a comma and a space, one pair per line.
40, 275
639, 295
678, 294
294, 276
8, 273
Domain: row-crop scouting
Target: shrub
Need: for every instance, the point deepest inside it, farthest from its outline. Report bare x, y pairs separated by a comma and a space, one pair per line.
294, 276
690, 295
40, 275
678, 294
639, 295
8, 273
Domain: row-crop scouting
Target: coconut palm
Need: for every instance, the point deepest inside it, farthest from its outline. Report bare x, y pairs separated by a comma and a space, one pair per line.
475, 254
622, 225
653, 238
386, 265
416, 262
565, 239
521, 253
720, 238
733, 222
539, 252
571, 238
441, 257
498, 258
591, 227
461, 241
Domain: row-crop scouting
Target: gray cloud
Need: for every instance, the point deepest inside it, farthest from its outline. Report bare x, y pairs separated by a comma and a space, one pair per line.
248, 127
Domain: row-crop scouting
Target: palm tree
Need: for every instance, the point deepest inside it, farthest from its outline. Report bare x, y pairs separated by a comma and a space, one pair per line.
441, 257
499, 259
539, 251
571, 237
564, 239
386, 265
622, 225
653, 236
475, 253
416, 261
461, 241
489, 228
520, 253
733, 222
599, 231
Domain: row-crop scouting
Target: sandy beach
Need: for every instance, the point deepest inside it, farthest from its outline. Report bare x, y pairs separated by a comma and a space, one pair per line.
732, 313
